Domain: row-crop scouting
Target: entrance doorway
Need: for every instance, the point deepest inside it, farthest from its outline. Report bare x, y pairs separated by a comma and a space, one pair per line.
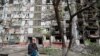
40, 40
29, 39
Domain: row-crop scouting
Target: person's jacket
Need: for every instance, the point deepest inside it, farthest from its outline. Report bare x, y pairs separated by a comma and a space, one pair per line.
31, 48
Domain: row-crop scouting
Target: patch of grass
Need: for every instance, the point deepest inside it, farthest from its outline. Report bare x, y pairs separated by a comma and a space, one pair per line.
92, 50
52, 51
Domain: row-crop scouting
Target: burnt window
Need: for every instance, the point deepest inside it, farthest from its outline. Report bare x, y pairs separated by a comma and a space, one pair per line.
2, 2
39, 40
26, 22
64, 0
78, 1
47, 38
79, 15
47, 1
56, 28
66, 8
92, 32
1, 8
8, 15
91, 24
29, 1
93, 40
90, 0
10, 1
81, 41
29, 38
58, 37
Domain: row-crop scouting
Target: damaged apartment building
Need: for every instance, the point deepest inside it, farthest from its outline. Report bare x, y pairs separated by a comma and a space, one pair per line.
49, 23
35, 18
20, 19
88, 21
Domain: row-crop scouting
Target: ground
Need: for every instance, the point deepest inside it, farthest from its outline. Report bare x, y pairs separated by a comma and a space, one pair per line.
15, 50
20, 50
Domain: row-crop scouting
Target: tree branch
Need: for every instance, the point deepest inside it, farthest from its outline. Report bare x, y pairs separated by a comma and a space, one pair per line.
87, 7
69, 8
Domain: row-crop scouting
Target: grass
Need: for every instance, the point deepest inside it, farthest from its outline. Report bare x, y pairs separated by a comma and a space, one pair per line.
52, 51
92, 50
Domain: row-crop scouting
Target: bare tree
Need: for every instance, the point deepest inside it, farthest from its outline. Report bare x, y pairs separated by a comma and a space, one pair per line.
72, 38
58, 18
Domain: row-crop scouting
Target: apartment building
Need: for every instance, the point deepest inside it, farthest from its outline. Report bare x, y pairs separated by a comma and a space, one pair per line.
50, 24
18, 17
89, 27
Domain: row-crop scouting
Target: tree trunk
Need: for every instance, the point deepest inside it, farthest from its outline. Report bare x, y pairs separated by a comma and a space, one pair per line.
58, 20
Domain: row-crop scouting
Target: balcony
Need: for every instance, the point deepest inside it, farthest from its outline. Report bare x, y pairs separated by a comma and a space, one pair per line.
94, 27
16, 33
18, 24
93, 34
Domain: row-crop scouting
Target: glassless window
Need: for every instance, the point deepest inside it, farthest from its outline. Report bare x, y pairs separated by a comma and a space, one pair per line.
37, 22
10, 1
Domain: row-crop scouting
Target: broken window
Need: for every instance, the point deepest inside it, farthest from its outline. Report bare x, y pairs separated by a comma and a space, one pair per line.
58, 38
93, 40
8, 15
78, 1
90, 0
29, 1
64, 0
48, 7
40, 40
66, 8
1, 8
2, 2
37, 22
38, 2
92, 32
91, 24
37, 15
47, 38
37, 8
47, 1
10, 1
56, 28
81, 41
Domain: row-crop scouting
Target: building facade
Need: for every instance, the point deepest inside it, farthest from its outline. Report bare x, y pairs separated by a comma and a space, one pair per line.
18, 17
88, 23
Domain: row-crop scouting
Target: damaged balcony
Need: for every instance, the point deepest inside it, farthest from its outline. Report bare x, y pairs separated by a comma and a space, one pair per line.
93, 34
16, 32
94, 27
91, 20
16, 24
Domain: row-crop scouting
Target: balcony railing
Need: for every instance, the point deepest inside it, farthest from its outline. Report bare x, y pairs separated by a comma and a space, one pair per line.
16, 24
92, 27
94, 34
